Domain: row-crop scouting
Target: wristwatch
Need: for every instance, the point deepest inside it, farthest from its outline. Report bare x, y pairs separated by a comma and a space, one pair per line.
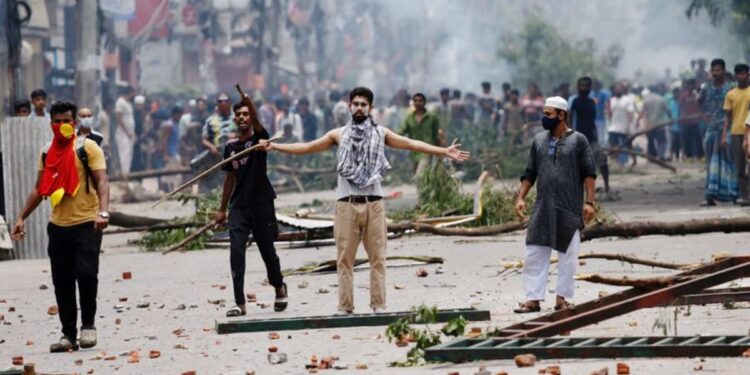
104, 214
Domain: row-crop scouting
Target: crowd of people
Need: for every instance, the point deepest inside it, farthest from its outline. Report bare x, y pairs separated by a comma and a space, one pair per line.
152, 132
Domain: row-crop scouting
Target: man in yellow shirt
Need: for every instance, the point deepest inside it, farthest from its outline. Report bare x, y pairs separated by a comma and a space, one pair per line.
735, 106
73, 175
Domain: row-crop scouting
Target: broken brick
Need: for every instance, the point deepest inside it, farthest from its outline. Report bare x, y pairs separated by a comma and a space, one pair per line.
454, 373
399, 286
79, 362
501, 372
52, 310
90, 371
273, 336
602, 371
18, 361
127, 275
191, 372
314, 359
273, 349
553, 370
336, 337
422, 272
134, 357
118, 321
746, 354
154, 354
123, 299
361, 366
525, 360
29, 343
12, 309
110, 358
623, 369
178, 331
326, 363
251, 298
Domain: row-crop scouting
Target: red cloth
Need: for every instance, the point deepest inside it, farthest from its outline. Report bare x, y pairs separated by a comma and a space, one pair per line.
60, 176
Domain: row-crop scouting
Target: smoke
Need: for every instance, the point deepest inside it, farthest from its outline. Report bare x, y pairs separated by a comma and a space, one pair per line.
426, 45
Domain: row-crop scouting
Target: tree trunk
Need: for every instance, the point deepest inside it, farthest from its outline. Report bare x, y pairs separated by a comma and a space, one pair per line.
645, 228
490, 230
119, 219
648, 282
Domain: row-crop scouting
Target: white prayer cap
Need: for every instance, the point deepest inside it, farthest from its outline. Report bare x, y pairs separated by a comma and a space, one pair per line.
139, 99
557, 102
191, 103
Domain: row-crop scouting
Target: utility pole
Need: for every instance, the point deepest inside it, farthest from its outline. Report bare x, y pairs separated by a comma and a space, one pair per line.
87, 54
4, 92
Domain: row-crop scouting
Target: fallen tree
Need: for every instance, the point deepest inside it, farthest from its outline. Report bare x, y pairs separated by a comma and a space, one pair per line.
330, 265
119, 219
643, 262
646, 228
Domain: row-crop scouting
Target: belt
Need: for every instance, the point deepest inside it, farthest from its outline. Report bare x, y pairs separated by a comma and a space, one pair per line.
361, 198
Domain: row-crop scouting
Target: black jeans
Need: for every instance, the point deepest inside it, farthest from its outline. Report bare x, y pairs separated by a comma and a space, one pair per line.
259, 219
74, 256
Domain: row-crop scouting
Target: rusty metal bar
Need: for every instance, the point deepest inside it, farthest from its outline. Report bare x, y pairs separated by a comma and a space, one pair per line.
632, 299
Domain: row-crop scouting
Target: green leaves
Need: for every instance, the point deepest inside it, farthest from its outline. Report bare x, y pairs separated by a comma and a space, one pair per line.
402, 332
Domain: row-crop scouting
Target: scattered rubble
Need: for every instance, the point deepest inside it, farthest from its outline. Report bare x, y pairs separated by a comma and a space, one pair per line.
525, 360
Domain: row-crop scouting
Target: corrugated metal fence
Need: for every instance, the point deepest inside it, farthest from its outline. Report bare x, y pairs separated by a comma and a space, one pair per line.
22, 139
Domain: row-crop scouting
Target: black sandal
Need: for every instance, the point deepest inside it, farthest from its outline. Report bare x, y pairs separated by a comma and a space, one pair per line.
525, 308
64, 345
235, 311
280, 303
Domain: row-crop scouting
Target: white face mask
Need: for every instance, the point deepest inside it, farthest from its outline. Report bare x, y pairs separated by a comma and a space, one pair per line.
87, 122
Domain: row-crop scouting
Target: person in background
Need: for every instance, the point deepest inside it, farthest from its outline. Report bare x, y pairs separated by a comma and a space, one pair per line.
22, 108
85, 122
690, 121
421, 125
721, 178
622, 113
736, 108
513, 115
655, 111
169, 140
309, 121
341, 110
140, 116
39, 100
601, 97
285, 116
675, 135
583, 119
125, 129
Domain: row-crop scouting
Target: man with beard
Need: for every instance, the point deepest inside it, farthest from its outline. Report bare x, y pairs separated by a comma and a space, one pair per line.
250, 196
562, 164
217, 129
360, 213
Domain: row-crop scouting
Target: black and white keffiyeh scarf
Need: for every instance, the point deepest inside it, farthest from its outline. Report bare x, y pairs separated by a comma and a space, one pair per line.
361, 155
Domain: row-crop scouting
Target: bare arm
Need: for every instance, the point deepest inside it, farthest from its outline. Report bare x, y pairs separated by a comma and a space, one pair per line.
400, 142
323, 143
102, 190
32, 202
588, 209
521, 200
229, 181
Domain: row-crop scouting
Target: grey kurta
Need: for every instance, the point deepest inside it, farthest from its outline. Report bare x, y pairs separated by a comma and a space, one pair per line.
559, 173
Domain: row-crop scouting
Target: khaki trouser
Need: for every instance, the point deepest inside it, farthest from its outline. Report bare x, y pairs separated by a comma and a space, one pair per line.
355, 223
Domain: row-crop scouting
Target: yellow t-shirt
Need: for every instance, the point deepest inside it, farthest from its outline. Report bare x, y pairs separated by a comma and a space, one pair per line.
83, 206
738, 101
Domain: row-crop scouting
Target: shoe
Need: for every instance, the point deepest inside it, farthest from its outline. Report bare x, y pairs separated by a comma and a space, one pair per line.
63, 346
345, 312
378, 310
88, 338
528, 307
281, 299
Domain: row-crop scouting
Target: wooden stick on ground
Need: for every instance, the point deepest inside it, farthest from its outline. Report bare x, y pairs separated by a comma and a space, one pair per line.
209, 170
643, 262
150, 228
189, 238
648, 282
615, 150
490, 230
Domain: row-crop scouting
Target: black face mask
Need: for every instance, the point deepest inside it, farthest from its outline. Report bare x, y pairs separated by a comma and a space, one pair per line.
550, 123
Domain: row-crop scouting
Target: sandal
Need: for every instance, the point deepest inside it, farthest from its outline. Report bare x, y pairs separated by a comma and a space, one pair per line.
525, 308
564, 305
280, 303
235, 311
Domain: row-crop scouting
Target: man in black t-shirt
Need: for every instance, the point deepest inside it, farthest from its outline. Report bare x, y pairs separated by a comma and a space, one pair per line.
250, 196
583, 118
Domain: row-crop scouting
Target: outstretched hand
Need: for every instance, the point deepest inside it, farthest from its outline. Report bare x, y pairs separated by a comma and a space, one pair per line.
454, 152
